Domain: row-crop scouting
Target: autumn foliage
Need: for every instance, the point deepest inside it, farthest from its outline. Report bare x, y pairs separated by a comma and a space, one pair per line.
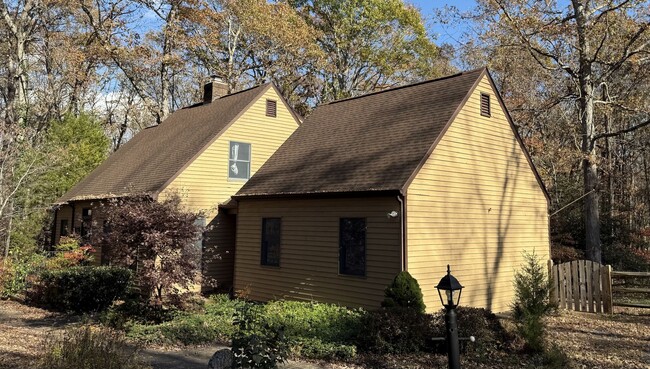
156, 239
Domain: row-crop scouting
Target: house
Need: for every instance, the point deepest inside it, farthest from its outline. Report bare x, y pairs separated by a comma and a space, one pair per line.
411, 178
205, 152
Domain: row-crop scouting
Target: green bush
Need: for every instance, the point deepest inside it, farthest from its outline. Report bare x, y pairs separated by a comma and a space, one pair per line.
532, 287
81, 289
16, 275
480, 323
89, 348
316, 349
404, 292
213, 324
328, 322
258, 342
396, 331
136, 309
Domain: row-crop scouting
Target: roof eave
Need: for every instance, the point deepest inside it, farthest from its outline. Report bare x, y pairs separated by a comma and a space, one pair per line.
323, 194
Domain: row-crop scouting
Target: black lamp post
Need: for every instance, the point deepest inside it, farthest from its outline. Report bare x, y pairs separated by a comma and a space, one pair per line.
452, 290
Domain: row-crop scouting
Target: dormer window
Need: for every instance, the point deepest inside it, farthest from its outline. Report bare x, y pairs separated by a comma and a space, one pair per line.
239, 163
485, 105
271, 108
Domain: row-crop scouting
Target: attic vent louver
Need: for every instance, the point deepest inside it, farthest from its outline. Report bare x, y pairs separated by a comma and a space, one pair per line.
485, 105
271, 108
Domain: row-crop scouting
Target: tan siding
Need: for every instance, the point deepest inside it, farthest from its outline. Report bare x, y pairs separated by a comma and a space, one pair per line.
309, 250
476, 205
205, 184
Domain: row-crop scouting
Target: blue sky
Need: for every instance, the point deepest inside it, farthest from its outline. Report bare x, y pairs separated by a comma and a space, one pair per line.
448, 33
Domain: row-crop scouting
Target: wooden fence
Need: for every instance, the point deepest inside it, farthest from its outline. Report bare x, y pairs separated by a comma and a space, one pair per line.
582, 285
623, 286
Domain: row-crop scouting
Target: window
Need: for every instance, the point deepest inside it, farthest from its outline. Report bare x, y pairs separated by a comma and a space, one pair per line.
485, 105
271, 241
271, 108
86, 223
64, 228
352, 246
239, 165
106, 227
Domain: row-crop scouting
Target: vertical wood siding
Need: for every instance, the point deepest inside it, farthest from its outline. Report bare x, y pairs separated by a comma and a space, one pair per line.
476, 205
309, 261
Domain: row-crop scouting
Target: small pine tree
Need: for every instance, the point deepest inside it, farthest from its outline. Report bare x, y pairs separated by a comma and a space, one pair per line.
532, 287
404, 292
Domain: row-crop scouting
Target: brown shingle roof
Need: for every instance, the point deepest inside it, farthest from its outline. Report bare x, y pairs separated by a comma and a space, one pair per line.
155, 155
369, 143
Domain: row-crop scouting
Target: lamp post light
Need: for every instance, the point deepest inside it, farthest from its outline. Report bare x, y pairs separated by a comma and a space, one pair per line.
452, 290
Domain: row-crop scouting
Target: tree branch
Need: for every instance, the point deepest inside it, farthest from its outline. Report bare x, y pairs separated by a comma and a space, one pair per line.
617, 133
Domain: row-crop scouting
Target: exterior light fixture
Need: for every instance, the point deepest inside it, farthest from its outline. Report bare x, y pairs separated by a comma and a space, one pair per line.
452, 289
393, 214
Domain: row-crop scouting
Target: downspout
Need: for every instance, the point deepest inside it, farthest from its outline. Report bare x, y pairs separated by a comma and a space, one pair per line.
403, 254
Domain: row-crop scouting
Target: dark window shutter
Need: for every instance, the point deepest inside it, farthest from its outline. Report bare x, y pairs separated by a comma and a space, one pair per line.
271, 108
485, 105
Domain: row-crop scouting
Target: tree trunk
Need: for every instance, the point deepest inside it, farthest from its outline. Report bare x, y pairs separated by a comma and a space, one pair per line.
16, 81
588, 148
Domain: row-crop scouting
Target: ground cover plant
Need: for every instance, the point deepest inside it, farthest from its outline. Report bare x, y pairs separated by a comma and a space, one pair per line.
313, 330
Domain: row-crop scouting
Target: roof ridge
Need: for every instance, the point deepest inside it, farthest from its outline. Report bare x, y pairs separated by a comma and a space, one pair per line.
408, 85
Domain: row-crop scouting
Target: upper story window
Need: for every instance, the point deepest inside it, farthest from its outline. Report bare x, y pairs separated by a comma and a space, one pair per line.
271, 232
352, 246
485, 105
239, 163
271, 108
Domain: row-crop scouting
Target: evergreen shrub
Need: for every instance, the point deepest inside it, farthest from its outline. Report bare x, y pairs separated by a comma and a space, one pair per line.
404, 292
532, 288
81, 289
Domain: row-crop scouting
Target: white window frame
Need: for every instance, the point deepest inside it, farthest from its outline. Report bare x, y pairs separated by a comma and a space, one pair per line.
237, 160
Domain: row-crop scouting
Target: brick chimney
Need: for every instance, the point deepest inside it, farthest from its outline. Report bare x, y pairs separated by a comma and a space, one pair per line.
214, 89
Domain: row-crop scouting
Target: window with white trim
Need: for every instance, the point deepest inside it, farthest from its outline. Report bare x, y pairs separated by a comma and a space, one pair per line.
239, 163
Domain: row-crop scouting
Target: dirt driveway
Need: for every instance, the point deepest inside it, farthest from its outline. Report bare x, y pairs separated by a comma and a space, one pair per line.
619, 341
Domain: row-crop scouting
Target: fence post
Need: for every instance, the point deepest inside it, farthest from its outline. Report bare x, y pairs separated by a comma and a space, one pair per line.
553, 280
607, 288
